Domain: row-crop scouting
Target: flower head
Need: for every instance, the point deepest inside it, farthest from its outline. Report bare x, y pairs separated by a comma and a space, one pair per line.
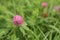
56, 8
17, 20
44, 4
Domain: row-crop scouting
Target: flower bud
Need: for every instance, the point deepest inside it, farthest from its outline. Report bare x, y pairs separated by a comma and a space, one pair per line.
56, 8
45, 14
44, 4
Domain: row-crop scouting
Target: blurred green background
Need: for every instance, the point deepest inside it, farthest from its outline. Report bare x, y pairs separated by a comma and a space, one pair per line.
35, 27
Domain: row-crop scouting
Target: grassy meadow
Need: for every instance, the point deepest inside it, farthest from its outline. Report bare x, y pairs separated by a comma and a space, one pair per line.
39, 23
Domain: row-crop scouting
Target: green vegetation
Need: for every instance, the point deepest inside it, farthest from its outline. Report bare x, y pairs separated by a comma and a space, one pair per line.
36, 26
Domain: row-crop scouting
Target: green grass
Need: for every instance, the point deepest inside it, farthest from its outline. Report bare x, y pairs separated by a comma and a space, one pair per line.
36, 27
